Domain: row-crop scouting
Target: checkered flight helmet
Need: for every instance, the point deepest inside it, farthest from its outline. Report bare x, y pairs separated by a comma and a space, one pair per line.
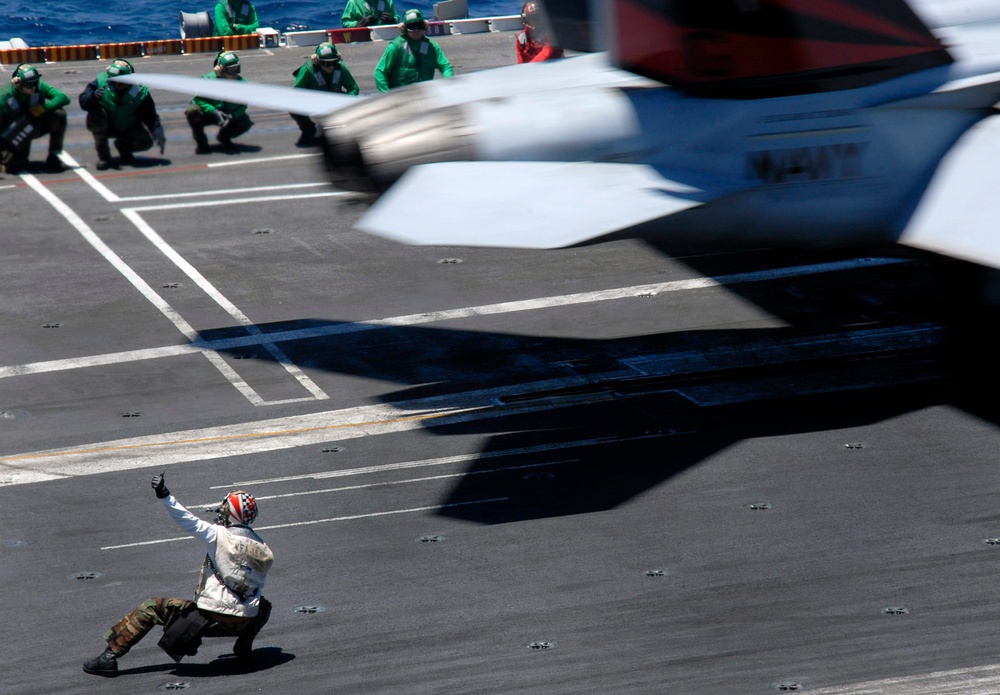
238, 508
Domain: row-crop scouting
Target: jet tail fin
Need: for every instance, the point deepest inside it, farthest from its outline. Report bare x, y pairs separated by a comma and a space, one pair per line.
749, 49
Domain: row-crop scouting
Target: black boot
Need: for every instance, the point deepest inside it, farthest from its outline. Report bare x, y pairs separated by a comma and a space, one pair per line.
53, 164
243, 649
226, 141
124, 152
308, 136
15, 163
103, 155
200, 140
104, 665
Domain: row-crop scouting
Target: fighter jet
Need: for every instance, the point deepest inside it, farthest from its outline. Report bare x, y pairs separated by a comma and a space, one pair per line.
789, 122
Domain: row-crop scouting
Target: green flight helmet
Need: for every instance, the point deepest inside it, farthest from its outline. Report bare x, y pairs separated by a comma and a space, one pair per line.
116, 69
414, 17
227, 59
120, 67
27, 75
327, 52
227, 62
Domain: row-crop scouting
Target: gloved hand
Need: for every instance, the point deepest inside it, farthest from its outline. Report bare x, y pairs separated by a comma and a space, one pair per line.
99, 92
386, 18
222, 118
160, 137
368, 20
159, 485
36, 110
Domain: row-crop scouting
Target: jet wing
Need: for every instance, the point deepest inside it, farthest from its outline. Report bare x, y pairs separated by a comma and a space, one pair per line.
531, 205
959, 214
305, 102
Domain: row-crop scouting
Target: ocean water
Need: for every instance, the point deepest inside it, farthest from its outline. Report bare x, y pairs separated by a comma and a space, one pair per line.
66, 22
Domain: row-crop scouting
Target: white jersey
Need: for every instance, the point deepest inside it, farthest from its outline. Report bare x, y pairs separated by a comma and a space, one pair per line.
235, 569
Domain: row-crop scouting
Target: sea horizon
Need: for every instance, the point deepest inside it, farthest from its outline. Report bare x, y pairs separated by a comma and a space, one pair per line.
74, 22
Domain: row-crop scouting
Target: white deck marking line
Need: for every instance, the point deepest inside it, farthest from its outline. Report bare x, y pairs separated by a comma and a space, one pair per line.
254, 438
240, 439
148, 292
408, 481
313, 522
224, 368
434, 317
101, 360
260, 160
977, 680
113, 197
441, 461
223, 192
238, 201
111, 257
202, 282
89, 178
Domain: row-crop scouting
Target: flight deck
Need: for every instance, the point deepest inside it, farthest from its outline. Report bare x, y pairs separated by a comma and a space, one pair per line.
617, 468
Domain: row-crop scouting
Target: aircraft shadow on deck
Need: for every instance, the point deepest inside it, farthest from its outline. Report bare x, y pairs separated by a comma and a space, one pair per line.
648, 430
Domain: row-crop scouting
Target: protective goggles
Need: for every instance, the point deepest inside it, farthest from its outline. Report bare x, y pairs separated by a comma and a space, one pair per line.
330, 63
231, 70
29, 84
416, 26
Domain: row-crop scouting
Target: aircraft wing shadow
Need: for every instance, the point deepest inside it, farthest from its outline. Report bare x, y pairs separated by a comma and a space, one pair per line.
578, 426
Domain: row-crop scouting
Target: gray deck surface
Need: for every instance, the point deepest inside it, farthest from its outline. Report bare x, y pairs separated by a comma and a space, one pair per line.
481, 471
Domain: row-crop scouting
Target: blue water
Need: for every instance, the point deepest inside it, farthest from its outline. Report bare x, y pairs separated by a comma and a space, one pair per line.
67, 22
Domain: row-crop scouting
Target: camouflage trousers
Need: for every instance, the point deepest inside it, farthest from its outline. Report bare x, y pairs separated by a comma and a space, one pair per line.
160, 611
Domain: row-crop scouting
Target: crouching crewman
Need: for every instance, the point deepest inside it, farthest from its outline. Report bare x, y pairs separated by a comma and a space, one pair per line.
29, 109
325, 71
231, 118
228, 600
123, 111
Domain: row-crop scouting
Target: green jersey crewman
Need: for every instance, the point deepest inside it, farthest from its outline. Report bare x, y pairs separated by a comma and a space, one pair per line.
325, 71
29, 109
234, 17
123, 111
232, 118
410, 57
366, 13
